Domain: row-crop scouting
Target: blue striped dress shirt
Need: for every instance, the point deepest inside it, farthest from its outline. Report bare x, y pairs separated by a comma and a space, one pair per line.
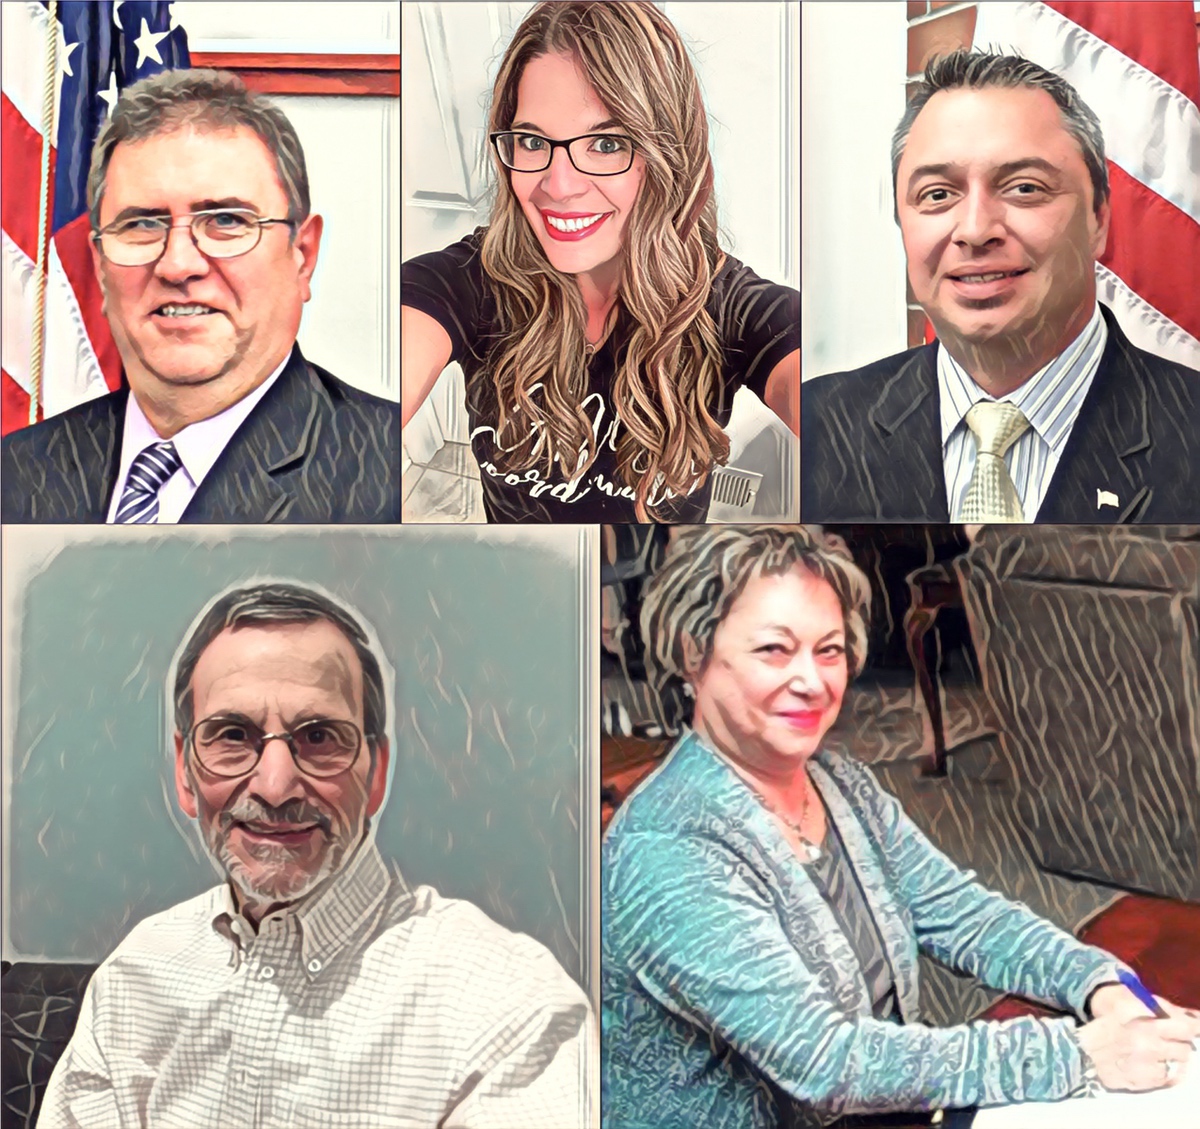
1050, 399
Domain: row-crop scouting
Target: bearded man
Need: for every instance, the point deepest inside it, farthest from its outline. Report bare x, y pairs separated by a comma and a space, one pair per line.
312, 987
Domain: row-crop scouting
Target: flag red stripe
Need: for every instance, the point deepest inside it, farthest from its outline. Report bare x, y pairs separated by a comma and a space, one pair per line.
21, 157
1155, 249
1160, 35
14, 404
74, 249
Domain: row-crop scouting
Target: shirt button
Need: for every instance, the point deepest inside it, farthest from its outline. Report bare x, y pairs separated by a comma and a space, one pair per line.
314, 965
267, 972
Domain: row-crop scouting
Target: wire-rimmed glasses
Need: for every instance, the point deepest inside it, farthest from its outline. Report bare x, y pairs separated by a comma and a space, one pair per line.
593, 154
232, 746
218, 233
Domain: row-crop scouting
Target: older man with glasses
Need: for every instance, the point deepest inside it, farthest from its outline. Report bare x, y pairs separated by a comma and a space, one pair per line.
204, 247
312, 987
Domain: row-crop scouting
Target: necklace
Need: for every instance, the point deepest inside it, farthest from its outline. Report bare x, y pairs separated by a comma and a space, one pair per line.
589, 350
811, 850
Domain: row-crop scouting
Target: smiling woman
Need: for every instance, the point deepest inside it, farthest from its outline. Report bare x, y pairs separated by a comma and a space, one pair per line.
601, 328
764, 900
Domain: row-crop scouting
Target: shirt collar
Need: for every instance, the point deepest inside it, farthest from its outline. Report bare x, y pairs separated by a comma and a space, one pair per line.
1050, 399
330, 921
200, 444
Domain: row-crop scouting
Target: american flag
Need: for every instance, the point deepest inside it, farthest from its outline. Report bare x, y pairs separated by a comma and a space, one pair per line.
100, 48
1136, 65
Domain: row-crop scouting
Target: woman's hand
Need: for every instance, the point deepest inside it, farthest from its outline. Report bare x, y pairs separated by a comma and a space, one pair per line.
1132, 1054
1117, 1000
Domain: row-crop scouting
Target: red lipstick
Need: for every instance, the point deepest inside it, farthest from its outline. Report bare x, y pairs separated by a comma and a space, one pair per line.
571, 236
804, 720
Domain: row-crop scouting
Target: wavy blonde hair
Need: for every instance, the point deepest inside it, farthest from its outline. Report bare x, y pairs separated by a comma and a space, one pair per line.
668, 374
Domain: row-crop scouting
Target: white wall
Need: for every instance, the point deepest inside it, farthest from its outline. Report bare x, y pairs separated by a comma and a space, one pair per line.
351, 148
852, 307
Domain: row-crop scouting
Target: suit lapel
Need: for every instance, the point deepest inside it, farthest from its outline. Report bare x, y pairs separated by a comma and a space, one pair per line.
1106, 456
909, 480
251, 481
83, 458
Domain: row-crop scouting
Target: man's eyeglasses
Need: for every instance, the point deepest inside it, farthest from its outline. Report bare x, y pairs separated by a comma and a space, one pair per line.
218, 234
593, 154
232, 747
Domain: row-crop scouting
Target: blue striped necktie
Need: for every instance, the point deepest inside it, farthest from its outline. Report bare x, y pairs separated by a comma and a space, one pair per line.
147, 473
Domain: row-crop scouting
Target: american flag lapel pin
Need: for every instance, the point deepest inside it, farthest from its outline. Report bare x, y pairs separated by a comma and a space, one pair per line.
1105, 498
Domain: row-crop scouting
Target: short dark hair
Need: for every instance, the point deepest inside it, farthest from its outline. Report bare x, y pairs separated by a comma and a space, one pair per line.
210, 99
280, 603
976, 70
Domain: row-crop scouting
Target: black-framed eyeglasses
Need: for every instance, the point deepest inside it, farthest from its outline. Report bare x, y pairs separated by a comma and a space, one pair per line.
218, 233
232, 746
593, 154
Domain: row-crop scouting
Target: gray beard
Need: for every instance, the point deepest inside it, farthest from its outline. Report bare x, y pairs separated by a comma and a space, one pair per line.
279, 880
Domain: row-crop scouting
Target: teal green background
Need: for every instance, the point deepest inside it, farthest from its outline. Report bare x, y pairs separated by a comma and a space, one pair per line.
486, 638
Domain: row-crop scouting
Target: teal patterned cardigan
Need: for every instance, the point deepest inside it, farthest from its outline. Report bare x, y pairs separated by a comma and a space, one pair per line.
731, 1000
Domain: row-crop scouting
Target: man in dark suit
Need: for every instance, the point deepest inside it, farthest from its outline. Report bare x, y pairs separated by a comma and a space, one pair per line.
204, 247
1032, 404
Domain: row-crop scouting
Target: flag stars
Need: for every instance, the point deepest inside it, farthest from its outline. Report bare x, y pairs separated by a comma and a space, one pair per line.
64, 53
147, 45
109, 96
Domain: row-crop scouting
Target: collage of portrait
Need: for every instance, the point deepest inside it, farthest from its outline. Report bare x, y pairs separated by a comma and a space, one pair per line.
600, 564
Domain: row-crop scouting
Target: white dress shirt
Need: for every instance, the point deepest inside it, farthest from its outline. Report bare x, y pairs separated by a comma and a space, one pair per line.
370, 1005
1050, 399
199, 446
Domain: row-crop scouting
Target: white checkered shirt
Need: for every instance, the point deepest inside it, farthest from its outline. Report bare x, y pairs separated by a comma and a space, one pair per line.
1050, 399
371, 1006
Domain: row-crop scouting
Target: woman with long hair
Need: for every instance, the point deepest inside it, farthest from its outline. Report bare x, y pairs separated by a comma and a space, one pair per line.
601, 329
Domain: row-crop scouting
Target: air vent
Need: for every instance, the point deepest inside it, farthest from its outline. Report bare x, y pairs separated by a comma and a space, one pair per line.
733, 487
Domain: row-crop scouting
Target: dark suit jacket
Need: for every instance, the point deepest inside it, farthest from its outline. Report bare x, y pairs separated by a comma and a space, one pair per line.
312, 450
871, 443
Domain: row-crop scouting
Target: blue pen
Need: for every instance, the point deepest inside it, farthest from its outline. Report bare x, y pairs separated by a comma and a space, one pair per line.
1142, 992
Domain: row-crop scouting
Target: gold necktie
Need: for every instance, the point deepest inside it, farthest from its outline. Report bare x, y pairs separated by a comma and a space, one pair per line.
991, 495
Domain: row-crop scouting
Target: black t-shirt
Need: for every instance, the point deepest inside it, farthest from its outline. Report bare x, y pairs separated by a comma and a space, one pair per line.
758, 322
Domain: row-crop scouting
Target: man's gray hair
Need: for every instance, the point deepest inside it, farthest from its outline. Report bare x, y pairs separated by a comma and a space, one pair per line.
206, 99
972, 70
708, 568
275, 604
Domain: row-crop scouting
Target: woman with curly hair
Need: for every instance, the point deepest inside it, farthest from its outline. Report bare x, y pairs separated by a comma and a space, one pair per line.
601, 329
764, 900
